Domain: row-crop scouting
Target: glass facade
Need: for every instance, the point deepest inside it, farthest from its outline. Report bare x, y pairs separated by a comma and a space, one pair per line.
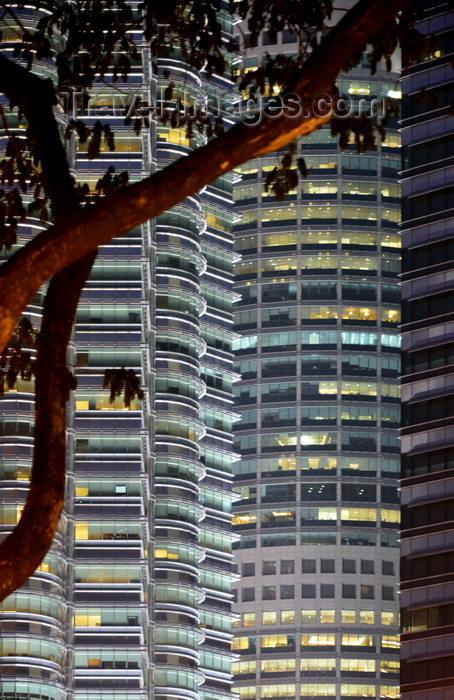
134, 597
427, 391
319, 399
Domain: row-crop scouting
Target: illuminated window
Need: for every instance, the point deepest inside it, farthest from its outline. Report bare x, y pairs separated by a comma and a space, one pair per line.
388, 190
247, 692
359, 188
239, 643
358, 691
357, 238
321, 162
313, 690
275, 517
278, 665
393, 140
366, 617
359, 464
391, 641
362, 514
325, 261
319, 187
287, 617
177, 136
327, 617
316, 238
323, 463
278, 440
356, 313
248, 620
245, 268
389, 666
359, 388
246, 243
387, 618
318, 338
276, 640
391, 240
393, 215
358, 640
358, 88
390, 316
82, 531
308, 617
278, 214
324, 665
87, 619
390, 516
239, 667
245, 192
353, 212
269, 618
321, 313
349, 338
355, 262
359, 413
358, 665
277, 691
318, 640
165, 554
348, 617
246, 519
279, 265
322, 513
279, 239
308, 439
389, 691
325, 211
248, 217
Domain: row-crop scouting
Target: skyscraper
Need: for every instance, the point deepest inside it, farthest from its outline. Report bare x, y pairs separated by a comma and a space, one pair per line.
134, 596
428, 358
319, 358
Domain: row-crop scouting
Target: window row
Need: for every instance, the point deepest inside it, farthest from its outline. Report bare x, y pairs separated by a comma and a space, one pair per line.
326, 566
316, 415
315, 617
324, 590
319, 364
321, 389
319, 667
356, 188
329, 515
328, 212
314, 537
318, 492
326, 691
287, 642
314, 264
288, 316
279, 342
289, 241
286, 466
321, 441
327, 162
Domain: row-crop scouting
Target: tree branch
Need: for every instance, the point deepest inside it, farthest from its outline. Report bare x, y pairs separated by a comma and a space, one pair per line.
25, 548
35, 99
62, 244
